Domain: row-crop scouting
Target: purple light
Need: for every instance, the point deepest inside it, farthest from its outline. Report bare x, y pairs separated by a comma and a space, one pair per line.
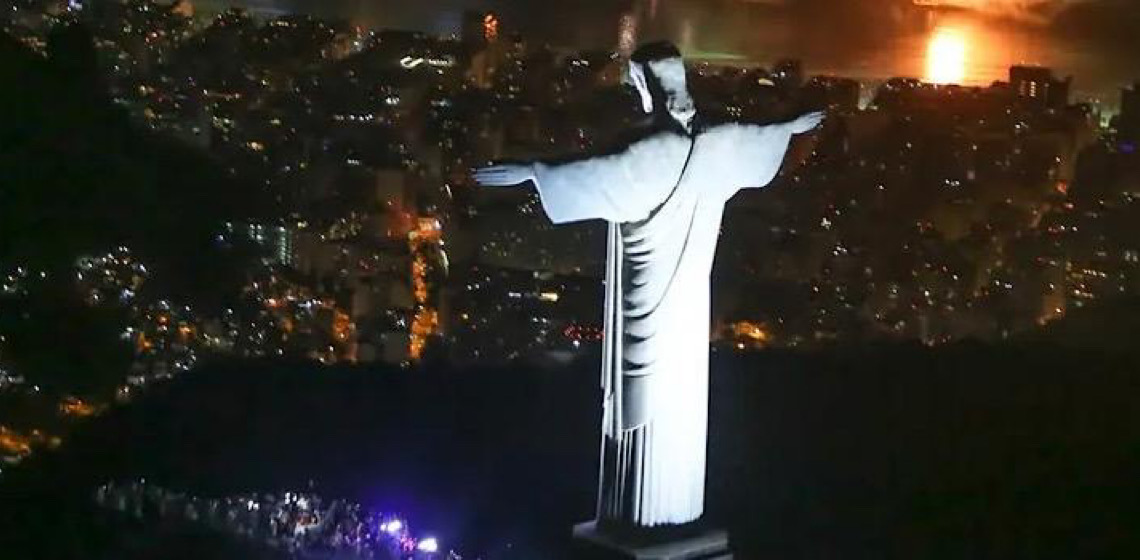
392, 527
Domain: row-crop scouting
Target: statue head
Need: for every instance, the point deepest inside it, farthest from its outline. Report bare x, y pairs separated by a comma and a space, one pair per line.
658, 73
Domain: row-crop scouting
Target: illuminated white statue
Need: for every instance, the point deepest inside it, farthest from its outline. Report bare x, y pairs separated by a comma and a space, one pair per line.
663, 197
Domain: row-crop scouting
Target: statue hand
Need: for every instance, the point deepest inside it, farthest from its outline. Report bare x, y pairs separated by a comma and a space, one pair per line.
504, 174
806, 122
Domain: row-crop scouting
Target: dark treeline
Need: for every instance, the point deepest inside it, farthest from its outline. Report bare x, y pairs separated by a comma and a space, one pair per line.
1027, 450
80, 178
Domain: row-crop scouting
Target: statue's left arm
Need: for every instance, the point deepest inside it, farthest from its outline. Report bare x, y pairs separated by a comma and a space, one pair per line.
753, 154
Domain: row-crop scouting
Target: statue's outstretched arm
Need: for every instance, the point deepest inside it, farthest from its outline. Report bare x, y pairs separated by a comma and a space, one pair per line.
621, 186
511, 174
572, 190
806, 122
751, 154
505, 174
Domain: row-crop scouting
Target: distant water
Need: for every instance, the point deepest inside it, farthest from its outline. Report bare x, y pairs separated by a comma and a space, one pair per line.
862, 42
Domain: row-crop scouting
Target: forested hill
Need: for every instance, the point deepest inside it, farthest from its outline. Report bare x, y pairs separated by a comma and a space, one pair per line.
77, 177
1021, 450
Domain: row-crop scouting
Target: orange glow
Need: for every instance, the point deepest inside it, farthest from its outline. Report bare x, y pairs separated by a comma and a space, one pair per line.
1036, 11
424, 325
74, 406
342, 325
946, 56
490, 27
426, 320
428, 230
14, 443
185, 333
751, 331
419, 280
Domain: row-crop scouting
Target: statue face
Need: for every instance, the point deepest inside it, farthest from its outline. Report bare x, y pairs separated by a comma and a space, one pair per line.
670, 75
662, 84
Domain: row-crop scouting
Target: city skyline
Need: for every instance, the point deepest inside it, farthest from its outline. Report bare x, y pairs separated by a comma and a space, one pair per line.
881, 41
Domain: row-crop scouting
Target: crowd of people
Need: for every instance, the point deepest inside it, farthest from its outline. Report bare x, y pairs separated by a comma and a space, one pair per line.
304, 524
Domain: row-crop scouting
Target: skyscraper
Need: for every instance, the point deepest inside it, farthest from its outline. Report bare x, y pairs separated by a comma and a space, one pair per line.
1036, 87
1128, 125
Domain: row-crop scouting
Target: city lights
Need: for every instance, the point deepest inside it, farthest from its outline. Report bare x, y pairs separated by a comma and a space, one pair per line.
309, 525
426, 244
490, 27
428, 545
627, 34
295, 193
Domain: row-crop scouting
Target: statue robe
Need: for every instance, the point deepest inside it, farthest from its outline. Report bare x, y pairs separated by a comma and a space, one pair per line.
664, 197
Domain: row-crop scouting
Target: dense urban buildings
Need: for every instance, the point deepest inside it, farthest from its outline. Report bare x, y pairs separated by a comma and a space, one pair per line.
924, 210
350, 231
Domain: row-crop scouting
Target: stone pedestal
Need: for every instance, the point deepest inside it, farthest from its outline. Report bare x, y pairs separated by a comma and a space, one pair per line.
596, 544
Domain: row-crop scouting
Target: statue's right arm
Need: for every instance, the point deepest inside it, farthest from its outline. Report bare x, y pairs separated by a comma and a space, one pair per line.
618, 187
505, 174
512, 174
568, 190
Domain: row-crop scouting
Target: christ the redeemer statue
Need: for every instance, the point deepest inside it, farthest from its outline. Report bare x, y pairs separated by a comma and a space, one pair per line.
663, 197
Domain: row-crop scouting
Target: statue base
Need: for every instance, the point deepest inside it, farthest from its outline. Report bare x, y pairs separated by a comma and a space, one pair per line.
598, 544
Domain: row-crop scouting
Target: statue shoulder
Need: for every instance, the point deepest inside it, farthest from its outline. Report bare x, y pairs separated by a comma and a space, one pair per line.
725, 132
666, 138
660, 135
662, 146
635, 140
742, 132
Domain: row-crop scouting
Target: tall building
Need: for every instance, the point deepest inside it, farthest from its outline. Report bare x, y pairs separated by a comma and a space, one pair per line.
277, 242
1128, 125
471, 30
480, 37
627, 34
1035, 86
